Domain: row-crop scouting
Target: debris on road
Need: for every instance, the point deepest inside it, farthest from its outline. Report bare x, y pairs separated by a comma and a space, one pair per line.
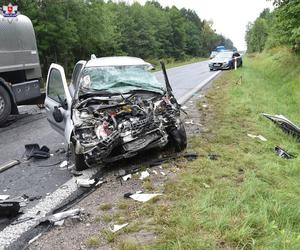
141, 197
59, 223
260, 137
285, 124
190, 156
63, 164
3, 197
9, 208
116, 228
33, 198
99, 183
163, 173
144, 175
34, 239
191, 122
62, 216
127, 177
34, 151
184, 107
283, 153
154, 172
213, 157
21, 220
121, 172
85, 182
76, 173
8, 165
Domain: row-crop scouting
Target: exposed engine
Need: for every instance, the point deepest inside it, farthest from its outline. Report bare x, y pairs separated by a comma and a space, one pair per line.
108, 129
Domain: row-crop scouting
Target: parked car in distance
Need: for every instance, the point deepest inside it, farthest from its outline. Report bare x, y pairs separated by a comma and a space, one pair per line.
113, 108
225, 60
213, 54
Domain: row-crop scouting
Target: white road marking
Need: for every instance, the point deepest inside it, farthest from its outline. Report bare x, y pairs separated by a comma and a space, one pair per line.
188, 95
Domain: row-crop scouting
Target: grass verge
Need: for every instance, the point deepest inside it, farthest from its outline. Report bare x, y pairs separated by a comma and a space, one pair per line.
248, 198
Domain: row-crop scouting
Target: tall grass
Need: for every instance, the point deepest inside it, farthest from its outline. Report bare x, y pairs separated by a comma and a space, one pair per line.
250, 197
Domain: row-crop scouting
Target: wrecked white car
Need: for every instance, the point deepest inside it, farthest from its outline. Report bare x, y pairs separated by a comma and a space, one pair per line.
113, 109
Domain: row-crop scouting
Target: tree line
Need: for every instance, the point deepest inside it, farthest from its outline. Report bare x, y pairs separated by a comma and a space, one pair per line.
281, 27
70, 30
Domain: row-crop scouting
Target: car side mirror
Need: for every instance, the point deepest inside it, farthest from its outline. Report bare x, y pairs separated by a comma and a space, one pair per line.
63, 103
57, 115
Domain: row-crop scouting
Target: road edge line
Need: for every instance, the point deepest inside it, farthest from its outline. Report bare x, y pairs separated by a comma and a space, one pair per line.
188, 95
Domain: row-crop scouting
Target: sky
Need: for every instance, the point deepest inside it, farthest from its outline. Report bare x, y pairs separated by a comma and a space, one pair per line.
230, 17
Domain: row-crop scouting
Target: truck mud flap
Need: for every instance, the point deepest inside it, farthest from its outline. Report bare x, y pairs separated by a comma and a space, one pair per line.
26, 91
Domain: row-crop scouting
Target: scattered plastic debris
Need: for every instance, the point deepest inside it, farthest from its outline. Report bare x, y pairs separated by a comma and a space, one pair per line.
62, 215
99, 183
144, 175
76, 173
3, 197
163, 173
204, 105
8, 165
191, 156
122, 172
213, 157
127, 177
34, 239
9, 208
257, 136
63, 164
34, 151
283, 153
59, 223
193, 123
60, 151
154, 172
184, 107
33, 198
285, 124
21, 220
143, 197
85, 182
206, 185
116, 228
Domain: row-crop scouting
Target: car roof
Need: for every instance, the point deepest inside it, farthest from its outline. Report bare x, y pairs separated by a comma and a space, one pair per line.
116, 61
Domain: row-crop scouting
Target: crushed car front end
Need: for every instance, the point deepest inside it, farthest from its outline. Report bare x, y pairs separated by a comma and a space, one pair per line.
109, 129
118, 122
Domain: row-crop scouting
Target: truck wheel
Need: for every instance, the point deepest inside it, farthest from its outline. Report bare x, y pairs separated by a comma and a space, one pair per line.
178, 138
5, 105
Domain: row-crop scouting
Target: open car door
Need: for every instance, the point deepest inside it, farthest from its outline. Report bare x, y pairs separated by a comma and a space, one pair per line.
58, 101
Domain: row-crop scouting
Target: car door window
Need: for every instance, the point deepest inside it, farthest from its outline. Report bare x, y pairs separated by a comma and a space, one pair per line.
55, 86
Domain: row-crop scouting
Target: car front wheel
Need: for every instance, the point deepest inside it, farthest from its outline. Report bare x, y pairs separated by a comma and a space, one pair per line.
178, 138
77, 159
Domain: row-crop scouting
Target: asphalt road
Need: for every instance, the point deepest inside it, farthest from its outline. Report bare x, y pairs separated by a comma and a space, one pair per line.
35, 178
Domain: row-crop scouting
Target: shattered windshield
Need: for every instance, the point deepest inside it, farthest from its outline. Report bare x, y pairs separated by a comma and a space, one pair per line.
119, 79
